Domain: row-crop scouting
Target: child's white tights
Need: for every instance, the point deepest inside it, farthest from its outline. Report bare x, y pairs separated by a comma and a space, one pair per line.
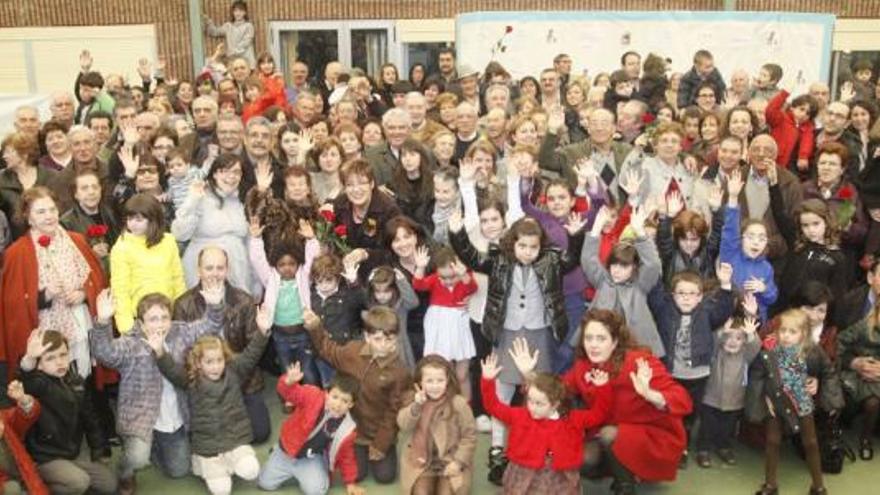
217, 471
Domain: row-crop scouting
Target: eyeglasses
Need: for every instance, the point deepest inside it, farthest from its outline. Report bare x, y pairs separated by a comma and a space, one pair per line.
150, 170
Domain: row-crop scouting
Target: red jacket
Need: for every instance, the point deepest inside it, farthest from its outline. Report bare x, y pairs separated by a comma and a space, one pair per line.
16, 424
650, 441
531, 440
18, 294
308, 402
785, 131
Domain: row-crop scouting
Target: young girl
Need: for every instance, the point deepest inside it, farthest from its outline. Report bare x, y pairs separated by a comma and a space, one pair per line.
145, 259
220, 431
624, 281
813, 246
684, 240
412, 183
389, 287
239, 32
525, 299
288, 293
546, 438
438, 457
780, 395
736, 345
447, 328
751, 270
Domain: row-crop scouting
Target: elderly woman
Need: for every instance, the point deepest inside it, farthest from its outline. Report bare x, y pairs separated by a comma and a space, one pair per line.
51, 281
53, 136
644, 437
214, 215
20, 153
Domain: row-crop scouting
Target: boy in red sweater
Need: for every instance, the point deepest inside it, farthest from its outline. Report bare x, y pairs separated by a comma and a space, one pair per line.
22, 475
317, 438
792, 127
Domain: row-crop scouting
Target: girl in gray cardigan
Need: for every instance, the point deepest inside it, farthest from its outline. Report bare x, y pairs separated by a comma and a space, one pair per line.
736, 346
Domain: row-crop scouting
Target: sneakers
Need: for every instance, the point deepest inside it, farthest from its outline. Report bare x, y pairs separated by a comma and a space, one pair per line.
704, 460
727, 456
127, 486
484, 424
497, 465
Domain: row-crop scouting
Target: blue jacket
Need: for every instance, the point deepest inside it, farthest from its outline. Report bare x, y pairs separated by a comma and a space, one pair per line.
710, 314
744, 268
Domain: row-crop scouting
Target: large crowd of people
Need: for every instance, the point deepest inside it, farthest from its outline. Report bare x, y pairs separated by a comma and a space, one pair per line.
615, 277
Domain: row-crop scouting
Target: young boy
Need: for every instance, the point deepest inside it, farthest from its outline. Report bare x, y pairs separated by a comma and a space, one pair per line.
19, 469
766, 82
67, 416
862, 71
793, 129
318, 438
686, 322
703, 70
382, 381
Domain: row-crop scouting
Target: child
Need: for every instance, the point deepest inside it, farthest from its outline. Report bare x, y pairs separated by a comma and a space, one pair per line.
766, 84
780, 395
624, 281
220, 430
813, 246
181, 175
447, 327
684, 240
287, 293
151, 413
546, 438
257, 100
863, 70
686, 322
55, 440
447, 198
412, 183
318, 438
735, 347
145, 259
19, 469
792, 129
338, 304
238, 31
525, 299
388, 287
382, 381
751, 270
438, 456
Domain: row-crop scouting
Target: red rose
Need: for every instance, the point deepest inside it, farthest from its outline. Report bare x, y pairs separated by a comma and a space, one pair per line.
508, 29
44, 241
96, 231
341, 230
846, 192
542, 199
328, 215
647, 118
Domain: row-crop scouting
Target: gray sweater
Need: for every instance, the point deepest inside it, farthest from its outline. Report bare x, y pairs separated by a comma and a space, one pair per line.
140, 384
726, 387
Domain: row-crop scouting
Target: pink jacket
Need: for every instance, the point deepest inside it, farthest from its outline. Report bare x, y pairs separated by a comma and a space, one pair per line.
270, 278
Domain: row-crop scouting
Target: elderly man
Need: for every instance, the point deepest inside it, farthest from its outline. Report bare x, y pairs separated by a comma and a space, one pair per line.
239, 327
230, 134
822, 94
469, 87
754, 200
498, 96
384, 159
417, 108
62, 107
738, 93
299, 78
27, 120
84, 148
124, 113
328, 83
551, 99
836, 129
257, 160
197, 144
495, 123
306, 108
606, 154
465, 129
562, 66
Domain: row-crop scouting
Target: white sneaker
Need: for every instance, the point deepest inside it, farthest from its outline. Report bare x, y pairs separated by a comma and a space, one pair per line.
484, 424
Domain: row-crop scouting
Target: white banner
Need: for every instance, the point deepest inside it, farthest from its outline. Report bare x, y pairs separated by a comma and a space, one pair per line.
526, 42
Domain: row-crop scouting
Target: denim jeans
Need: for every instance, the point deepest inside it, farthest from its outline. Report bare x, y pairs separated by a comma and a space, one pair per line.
296, 346
169, 451
310, 473
575, 307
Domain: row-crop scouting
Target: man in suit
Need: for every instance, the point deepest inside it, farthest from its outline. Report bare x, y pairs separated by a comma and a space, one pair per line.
857, 303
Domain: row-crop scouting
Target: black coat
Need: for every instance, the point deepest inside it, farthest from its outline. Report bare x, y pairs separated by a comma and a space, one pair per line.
550, 267
851, 308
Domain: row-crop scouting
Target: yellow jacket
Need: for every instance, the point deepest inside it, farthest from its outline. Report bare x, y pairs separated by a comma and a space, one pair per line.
137, 270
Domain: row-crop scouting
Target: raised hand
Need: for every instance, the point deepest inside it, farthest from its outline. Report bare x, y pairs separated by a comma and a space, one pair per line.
420, 397
255, 228
459, 269
455, 222
847, 92
715, 196
523, 359
106, 306
596, 376
674, 204
306, 142
264, 319
144, 69
724, 272
264, 178
305, 229
602, 218
586, 172
35, 346
750, 304
491, 369
197, 189
422, 257
85, 61
130, 162
734, 186
691, 164
751, 325
631, 182
294, 374
15, 391
467, 169
637, 220
641, 378
574, 223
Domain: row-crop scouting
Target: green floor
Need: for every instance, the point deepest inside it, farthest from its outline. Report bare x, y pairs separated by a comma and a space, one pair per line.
856, 479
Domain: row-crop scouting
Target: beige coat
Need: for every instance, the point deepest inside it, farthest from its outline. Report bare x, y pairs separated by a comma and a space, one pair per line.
453, 432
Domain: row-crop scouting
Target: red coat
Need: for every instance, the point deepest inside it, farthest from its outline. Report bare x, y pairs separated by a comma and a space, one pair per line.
530, 440
18, 301
649, 441
785, 132
308, 402
16, 424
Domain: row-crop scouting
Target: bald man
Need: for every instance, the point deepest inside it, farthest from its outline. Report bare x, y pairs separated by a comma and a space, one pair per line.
62, 107
239, 327
27, 120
